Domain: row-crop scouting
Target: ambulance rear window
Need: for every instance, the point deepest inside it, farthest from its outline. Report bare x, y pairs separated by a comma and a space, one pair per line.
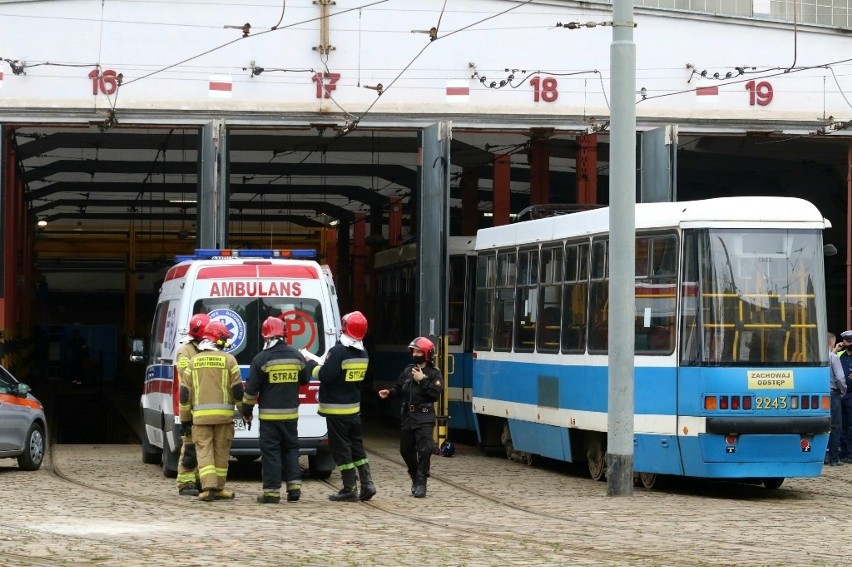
243, 316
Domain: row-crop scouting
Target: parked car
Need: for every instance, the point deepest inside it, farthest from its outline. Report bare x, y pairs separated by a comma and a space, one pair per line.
23, 427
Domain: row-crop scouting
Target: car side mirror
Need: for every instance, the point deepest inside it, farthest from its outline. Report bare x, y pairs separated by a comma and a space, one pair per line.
137, 350
22, 390
829, 250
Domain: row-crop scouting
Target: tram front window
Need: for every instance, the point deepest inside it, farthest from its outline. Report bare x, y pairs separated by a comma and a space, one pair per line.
752, 296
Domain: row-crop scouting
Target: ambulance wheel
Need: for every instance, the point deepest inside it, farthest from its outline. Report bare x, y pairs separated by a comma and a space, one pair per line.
314, 467
151, 455
170, 463
773, 483
33, 455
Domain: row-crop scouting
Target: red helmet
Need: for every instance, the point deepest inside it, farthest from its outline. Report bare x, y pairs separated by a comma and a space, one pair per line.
354, 325
197, 324
216, 331
424, 344
273, 327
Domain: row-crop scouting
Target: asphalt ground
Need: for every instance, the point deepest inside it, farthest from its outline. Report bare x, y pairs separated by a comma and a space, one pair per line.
100, 505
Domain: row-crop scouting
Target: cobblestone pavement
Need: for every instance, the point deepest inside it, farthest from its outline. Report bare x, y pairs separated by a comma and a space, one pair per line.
99, 505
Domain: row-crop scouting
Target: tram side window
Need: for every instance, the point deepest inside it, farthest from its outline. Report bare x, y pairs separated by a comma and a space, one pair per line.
599, 297
550, 299
486, 279
690, 344
504, 303
656, 282
576, 296
527, 297
458, 287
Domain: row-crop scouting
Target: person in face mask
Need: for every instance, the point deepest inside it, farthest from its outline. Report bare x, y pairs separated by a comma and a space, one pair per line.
419, 386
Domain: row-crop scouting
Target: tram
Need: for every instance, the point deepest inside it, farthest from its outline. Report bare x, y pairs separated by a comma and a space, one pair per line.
731, 371
397, 326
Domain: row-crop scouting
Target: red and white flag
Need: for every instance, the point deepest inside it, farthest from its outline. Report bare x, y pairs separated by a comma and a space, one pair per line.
220, 86
458, 90
706, 94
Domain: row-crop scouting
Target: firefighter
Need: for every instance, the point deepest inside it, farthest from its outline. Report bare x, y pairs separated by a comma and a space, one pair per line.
418, 387
209, 387
274, 376
341, 376
187, 476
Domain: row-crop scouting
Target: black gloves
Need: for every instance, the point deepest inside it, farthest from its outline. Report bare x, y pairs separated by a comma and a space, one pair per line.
247, 411
190, 460
186, 429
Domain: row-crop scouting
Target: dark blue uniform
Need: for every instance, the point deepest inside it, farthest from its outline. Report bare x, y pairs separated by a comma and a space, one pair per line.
417, 418
845, 357
274, 379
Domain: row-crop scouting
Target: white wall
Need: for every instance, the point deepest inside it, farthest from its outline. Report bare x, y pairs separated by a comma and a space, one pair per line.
146, 41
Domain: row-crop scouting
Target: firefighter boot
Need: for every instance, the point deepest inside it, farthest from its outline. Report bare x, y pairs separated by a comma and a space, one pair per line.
269, 497
413, 481
368, 489
294, 491
420, 486
349, 492
223, 494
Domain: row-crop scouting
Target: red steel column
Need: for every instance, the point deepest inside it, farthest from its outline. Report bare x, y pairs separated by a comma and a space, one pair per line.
540, 171
587, 170
470, 200
395, 222
330, 249
359, 257
502, 189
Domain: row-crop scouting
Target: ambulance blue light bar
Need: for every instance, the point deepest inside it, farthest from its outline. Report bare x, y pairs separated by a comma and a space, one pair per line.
228, 253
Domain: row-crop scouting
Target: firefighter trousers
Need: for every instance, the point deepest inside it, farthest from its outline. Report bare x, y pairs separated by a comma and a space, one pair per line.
416, 447
344, 436
186, 476
279, 453
213, 447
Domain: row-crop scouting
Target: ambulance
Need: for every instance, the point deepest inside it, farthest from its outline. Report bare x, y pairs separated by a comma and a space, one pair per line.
240, 288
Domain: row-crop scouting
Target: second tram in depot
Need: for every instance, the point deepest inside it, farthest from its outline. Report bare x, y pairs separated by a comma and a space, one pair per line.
731, 370
392, 332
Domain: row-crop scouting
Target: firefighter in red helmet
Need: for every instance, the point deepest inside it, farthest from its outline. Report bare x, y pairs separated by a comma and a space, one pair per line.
418, 388
187, 473
273, 383
210, 386
341, 376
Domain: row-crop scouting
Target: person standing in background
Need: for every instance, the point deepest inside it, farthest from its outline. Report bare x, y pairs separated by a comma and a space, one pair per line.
837, 383
418, 387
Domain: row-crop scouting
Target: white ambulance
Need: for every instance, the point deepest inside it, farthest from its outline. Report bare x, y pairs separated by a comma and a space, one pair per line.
240, 288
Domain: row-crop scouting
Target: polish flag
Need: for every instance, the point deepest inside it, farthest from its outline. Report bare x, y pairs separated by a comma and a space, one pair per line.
220, 86
458, 90
707, 95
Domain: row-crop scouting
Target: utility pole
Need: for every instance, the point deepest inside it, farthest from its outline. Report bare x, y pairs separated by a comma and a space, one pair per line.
622, 252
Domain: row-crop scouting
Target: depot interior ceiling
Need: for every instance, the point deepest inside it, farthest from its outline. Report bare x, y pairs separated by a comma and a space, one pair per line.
288, 184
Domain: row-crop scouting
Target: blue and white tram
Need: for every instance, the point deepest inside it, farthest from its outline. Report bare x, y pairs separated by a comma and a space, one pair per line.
731, 377
395, 324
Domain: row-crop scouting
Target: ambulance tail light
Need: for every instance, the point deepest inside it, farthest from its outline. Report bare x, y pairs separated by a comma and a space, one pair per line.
176, 392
